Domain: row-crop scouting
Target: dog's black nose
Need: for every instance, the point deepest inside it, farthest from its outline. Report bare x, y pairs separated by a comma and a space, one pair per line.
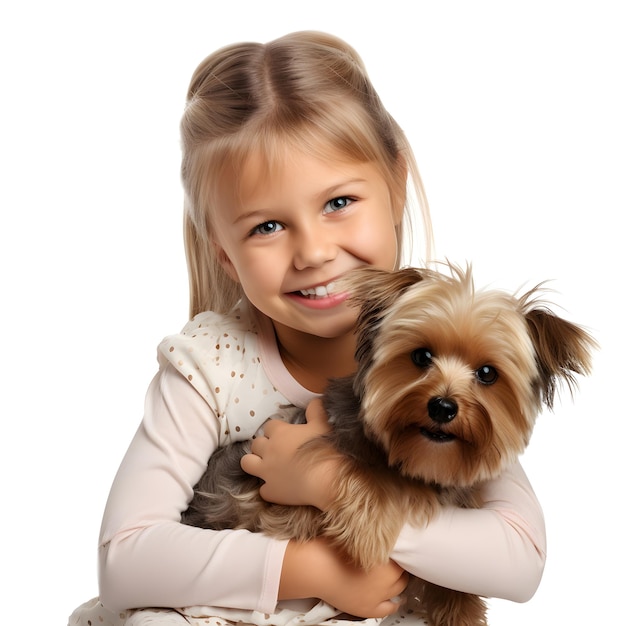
442, 410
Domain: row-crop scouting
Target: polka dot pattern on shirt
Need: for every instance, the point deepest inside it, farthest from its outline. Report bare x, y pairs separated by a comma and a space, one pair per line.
219, 356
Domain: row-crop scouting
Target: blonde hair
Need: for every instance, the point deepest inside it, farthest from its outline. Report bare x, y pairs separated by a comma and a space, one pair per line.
306, 90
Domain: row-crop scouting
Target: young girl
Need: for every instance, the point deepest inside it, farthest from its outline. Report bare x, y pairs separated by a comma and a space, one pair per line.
294, 174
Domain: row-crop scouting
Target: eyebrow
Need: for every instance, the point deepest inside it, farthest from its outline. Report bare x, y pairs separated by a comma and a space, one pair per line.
251, 214
326, 193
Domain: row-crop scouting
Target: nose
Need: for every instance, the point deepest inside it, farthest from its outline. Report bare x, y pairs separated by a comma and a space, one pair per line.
442, 410
313, 247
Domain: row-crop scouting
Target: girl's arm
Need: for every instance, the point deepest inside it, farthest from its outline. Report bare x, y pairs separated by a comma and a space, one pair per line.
497, 551
148, 558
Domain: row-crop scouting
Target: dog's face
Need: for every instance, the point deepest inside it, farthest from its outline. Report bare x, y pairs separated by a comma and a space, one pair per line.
451, 379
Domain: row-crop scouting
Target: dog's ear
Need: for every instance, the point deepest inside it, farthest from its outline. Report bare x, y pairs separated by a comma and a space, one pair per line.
373, 290
562, 349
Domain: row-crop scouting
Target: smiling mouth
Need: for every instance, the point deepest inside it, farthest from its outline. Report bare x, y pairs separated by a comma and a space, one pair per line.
438, 436
321, 291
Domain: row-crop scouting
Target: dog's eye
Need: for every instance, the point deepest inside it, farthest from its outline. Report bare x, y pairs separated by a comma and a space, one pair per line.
422, 357
487, 374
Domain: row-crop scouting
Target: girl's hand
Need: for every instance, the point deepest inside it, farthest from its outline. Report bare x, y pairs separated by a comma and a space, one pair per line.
314, 569
274, 459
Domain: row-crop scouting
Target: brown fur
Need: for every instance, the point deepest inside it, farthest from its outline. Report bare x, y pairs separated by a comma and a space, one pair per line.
448, 386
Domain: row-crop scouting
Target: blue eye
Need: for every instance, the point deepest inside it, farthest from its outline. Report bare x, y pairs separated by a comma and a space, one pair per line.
266, 228
336, 204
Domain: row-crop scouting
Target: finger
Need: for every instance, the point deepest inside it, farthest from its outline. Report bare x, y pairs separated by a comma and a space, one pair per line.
259, 444
403, 583
400, 585
271, 426
251, 464
265, 493
316, 414
388, 607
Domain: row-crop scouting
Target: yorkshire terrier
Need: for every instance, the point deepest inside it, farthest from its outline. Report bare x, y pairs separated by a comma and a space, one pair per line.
449, 382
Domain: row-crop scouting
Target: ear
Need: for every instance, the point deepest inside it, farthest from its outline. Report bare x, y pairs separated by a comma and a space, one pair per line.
224, 260
562, 350
373, 291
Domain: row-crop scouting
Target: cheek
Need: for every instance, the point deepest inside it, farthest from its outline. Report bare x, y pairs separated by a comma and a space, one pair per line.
261, 273
376, 242
255, 272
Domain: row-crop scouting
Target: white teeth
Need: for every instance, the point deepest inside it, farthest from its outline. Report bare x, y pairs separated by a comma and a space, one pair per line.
321, 291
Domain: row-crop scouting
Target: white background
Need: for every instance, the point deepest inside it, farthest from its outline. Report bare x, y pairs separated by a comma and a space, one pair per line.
516, 113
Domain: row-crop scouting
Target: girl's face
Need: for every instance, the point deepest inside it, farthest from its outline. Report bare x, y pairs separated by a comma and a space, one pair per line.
287, 237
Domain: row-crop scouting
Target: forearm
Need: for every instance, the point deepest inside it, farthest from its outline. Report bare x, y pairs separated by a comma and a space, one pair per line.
175, 565
496, 551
